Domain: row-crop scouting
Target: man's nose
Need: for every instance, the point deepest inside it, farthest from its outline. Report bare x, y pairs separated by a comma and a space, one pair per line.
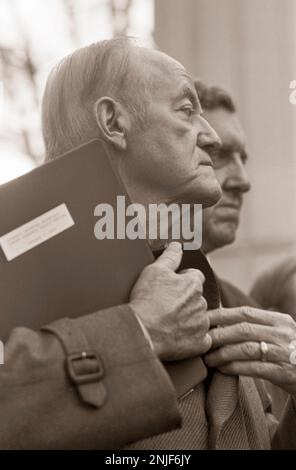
207, 138
237, 177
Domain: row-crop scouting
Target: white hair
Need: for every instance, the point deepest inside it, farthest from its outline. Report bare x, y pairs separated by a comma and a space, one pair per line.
101, 69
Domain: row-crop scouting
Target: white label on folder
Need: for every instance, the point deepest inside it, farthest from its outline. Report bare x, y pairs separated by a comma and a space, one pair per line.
35, 232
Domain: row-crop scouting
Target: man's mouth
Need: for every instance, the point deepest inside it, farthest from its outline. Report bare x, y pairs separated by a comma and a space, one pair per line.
206, 162
231, 203
227, 212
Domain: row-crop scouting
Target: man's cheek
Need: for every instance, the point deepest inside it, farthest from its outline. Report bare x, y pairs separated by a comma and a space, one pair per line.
185, 130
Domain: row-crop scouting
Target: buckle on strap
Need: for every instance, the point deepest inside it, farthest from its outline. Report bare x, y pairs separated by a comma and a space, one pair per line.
89, 365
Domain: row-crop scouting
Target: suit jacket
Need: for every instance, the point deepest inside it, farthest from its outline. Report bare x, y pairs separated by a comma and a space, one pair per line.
89, 383
228, 412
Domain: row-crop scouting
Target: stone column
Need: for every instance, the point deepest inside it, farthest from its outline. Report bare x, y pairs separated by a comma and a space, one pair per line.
249, 47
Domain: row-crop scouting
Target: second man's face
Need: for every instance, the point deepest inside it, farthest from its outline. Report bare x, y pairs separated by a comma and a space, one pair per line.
220, 223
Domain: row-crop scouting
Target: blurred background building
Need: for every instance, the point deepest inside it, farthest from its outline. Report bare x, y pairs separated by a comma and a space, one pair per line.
247, 46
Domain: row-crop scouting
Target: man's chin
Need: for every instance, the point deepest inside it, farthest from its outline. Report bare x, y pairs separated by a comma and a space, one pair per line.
209, 188
226, 235
204, 190
212, 195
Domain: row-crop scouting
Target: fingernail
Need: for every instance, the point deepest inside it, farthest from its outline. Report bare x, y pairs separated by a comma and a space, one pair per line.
177, 245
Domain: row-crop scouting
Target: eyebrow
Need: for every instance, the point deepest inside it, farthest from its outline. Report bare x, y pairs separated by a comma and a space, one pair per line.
187, 92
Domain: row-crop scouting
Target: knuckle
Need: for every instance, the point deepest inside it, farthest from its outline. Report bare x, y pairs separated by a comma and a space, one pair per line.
186, 280
217, 335
291, 333
203, 305
205, 344
206, 322
289, 330
249, 350
193, 272
246, 329
198, 275
203, 324
289, 320
195, 277
247, 313
225, 353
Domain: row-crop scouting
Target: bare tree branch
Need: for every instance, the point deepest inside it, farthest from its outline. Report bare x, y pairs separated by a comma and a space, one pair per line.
120, 16
69, 7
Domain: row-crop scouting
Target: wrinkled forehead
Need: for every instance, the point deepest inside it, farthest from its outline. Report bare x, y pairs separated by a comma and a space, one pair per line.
162, 62
164, 72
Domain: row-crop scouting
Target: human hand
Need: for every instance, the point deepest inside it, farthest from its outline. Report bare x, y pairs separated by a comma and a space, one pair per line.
171, 307
237, 347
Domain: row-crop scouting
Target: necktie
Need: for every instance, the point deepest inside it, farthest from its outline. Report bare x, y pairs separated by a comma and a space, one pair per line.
221, 392
188, 373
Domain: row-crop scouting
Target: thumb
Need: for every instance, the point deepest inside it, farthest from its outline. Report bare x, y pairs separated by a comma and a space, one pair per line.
171, 257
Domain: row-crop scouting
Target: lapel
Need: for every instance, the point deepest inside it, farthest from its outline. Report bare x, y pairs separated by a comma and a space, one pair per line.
234, 408
221, 404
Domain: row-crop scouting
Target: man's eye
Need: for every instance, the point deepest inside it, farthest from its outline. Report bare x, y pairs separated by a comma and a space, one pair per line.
188, 110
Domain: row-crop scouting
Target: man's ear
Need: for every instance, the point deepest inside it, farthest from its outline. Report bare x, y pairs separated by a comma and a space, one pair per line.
112, 120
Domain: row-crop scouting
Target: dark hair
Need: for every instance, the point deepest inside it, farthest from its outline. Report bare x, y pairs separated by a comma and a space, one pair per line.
212, 97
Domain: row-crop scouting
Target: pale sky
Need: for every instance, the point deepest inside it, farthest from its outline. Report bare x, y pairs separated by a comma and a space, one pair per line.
45, 25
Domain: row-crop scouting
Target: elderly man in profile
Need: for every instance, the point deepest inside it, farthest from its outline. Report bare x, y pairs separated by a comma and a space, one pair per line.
144, 108
143, 105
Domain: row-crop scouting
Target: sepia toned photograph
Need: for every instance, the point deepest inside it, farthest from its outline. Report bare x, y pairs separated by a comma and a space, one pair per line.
148, 228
